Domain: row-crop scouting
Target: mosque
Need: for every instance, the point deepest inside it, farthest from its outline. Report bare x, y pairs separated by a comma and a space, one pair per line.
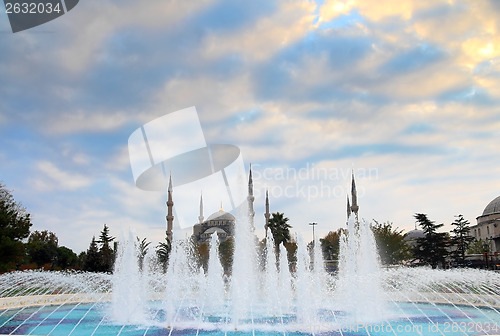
487, 228
488, 225
221, 222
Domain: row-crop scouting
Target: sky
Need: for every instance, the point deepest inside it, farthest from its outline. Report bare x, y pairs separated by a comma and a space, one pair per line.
404, 93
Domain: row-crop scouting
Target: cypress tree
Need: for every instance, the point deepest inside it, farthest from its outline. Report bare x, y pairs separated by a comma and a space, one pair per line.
432, 248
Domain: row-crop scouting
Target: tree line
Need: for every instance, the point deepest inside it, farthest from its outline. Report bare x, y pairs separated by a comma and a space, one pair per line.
21, 249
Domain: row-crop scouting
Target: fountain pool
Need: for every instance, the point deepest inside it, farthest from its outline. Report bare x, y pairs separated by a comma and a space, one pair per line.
417, 302
261, 297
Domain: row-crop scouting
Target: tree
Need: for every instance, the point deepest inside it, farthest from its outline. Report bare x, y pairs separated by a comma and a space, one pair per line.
432, 248
201, 251
478, 247
92, 258
226, 250
291, 251
330, 245
66, 258
142, 247
392, 247
163, 252
461, 239
42, 248
280, 229
107, 254
15, 225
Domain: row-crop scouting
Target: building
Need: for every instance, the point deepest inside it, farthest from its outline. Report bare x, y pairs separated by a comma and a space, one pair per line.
488, 225
413, 236
220, 222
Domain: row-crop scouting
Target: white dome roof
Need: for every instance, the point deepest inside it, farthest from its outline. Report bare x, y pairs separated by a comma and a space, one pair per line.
221, 215
492, 207
414, 234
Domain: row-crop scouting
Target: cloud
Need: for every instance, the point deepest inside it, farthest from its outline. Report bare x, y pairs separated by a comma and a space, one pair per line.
53, 178
331, 9
291, 22
214, 99
84, 121
96, 21
387, 9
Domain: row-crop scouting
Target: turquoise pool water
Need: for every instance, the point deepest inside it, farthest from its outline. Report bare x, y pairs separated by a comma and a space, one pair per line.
406, 319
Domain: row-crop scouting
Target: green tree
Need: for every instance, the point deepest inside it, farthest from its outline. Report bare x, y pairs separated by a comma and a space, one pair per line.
392, 247
432, 248
142, 247
226, 251
67, 259
106, 253
162, 253
280, 229
291, 251
81, 259
15, 225
201, 252
478, 247
330, 245
461, 239
92, 258
42, 248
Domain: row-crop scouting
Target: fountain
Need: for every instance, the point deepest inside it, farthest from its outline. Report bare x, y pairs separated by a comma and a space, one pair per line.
259, 298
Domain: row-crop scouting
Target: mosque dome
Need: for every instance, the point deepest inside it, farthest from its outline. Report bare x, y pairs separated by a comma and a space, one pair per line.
492, 207
414, 235
221, 215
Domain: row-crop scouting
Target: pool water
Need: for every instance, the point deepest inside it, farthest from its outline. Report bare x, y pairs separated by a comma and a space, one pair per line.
405, 319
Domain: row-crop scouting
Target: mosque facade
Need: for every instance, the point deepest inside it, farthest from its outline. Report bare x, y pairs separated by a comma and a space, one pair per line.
220, 222
487, 228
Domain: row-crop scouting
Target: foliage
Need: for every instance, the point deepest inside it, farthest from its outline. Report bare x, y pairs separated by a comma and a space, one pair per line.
163, 253
432, 248
478, 247
66, 258
142, 247
12, 253
202, 253
330, 245
15, 225
92, 261
42, 248
280, 229
291, 250
226, 250
392, 247
107, 254
461, 239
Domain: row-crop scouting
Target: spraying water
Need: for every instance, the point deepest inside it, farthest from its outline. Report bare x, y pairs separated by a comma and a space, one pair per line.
359, 287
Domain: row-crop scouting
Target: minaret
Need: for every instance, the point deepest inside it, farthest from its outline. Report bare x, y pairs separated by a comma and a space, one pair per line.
348, 208
250, 199
267, 214
200, 217
354, 197
170, 216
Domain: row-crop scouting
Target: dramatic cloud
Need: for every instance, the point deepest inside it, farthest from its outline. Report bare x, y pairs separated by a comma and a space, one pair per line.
409, 89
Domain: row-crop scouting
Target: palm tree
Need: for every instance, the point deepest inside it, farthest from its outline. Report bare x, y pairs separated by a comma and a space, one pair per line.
142, 247
280, 229
163, 252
